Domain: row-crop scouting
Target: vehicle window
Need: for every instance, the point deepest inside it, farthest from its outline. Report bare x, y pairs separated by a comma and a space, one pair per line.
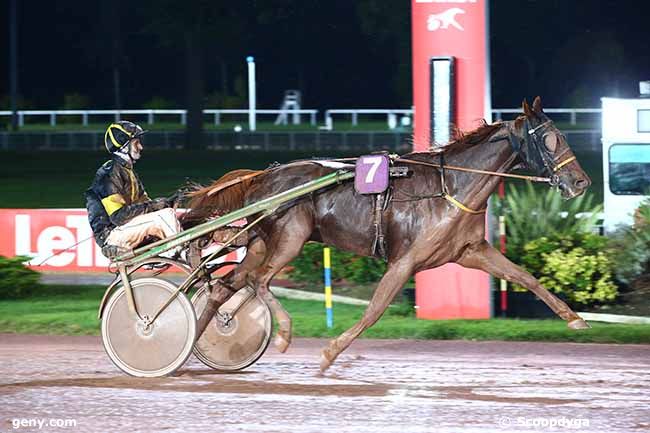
629, 169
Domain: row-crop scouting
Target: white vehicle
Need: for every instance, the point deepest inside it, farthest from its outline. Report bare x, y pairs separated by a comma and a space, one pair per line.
626, 158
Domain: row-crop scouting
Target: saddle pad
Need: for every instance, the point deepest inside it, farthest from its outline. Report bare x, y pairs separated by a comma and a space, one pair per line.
332, 164
371, 174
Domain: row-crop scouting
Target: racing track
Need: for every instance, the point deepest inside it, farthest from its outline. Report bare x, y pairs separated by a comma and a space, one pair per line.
377, 386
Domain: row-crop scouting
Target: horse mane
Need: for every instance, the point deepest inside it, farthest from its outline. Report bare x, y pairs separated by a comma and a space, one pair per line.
463, 140
205, 201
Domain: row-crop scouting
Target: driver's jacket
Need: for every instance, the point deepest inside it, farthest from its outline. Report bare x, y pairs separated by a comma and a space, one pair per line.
115, 197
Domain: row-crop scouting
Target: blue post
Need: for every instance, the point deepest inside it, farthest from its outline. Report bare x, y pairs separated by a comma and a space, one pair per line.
328, 287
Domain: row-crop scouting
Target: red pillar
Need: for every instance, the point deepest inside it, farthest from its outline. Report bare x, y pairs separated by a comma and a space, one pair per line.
451, 28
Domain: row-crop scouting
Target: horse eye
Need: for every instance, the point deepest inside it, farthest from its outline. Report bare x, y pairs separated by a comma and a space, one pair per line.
550, 141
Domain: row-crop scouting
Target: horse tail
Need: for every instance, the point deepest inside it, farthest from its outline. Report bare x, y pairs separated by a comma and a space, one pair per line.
222, 196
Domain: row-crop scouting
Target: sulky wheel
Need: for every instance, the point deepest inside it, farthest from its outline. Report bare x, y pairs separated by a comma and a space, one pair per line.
159, 348
238, 334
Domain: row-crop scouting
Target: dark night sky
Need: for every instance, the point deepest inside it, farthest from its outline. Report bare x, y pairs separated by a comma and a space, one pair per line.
341, 53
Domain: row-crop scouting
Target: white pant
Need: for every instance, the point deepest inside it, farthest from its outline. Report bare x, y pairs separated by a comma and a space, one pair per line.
162, 224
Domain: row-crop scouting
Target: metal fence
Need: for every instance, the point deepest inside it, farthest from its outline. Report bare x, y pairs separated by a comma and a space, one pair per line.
180, 115
585, 140
586, 116
572, 115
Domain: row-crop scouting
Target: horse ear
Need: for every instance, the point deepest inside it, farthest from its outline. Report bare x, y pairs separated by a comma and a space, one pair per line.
537, 105
526, 108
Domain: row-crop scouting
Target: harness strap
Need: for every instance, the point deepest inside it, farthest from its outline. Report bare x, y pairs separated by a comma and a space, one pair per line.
563, 163
379, 243
461, 206
532, 131
445, 193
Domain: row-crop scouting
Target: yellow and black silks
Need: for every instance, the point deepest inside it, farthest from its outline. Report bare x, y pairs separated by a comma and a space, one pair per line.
115, 197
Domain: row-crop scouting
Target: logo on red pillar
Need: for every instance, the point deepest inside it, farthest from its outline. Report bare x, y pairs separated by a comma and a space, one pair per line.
444, 20
445, 1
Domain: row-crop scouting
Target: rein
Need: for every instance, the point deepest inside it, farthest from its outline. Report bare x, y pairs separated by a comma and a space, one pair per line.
550, 163
445, 193
475, 170
552, 166
442, 167
234, 181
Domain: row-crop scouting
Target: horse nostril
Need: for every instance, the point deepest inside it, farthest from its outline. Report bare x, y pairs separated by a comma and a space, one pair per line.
581, 183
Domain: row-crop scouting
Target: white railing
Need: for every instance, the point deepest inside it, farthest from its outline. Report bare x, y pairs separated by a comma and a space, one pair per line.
354, 113
277, 140
572, 112
227, 139
117, 114
217, 113
497, 113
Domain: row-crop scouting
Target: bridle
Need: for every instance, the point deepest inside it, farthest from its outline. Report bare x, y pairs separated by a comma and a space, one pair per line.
543, 161
551, 164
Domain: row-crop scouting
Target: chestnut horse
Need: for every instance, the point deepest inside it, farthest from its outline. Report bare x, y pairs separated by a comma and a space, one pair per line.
423, 228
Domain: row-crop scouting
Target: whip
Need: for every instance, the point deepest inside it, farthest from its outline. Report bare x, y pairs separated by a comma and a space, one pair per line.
60, 252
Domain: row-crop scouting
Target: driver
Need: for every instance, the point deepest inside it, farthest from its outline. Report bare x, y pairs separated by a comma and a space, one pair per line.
120, 212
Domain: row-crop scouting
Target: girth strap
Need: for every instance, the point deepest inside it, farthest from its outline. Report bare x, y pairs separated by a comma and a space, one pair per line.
378, 247
445, 193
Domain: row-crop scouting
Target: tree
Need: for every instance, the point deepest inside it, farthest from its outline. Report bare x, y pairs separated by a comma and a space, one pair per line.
190, 27
387, 27
111, 25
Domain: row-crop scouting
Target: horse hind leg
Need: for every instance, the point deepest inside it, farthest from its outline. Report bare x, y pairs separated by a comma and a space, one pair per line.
483, 256
390, 284
255, 253
283, 337
284, 246
234, 280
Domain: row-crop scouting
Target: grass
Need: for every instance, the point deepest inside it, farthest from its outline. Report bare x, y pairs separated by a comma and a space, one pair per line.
63, 310
67, 310
57, 179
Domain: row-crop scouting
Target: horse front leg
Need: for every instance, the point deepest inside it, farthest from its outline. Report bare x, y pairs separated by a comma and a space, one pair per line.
390, 284
283, 337
483, 256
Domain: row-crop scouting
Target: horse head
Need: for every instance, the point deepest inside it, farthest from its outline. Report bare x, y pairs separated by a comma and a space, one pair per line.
544, 149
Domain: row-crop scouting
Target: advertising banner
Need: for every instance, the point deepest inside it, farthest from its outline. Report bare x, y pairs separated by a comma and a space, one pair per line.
455, 29
44, 234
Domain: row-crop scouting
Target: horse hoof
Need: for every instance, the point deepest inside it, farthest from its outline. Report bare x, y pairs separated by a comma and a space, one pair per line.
281, 344
325, 363
578, 324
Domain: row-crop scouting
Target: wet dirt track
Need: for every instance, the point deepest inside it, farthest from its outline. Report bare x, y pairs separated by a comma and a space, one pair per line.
377, 386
